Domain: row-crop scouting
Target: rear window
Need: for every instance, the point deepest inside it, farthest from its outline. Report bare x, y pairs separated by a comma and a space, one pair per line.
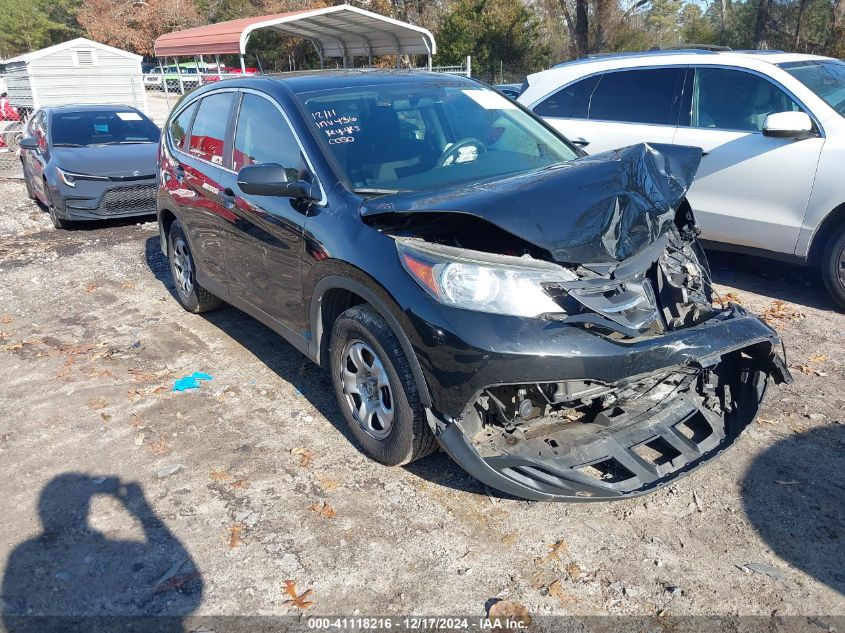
96, 127
209, 130
570, 102
636, 96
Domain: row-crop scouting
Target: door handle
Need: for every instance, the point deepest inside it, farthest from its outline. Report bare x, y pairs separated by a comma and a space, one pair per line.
227, 196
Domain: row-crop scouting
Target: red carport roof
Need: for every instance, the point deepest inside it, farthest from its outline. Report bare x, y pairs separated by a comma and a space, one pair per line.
335, 31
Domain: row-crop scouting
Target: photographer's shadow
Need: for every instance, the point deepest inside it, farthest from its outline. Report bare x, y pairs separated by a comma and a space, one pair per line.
72, 577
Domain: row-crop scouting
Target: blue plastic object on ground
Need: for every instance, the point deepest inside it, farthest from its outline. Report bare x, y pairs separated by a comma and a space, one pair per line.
191, 381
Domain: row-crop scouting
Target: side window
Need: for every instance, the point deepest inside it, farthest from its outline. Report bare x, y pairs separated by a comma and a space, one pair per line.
208, 133
636, 96
570, 102
735, 100
263, 136
179, 126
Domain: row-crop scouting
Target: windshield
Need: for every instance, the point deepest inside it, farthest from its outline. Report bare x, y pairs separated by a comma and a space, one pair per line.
414, 136
102, 127
825, 78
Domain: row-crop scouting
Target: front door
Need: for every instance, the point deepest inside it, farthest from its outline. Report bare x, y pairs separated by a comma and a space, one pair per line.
750, 190
266, 232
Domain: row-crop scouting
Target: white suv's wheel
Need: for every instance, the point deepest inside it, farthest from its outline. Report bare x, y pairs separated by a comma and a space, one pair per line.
833, 266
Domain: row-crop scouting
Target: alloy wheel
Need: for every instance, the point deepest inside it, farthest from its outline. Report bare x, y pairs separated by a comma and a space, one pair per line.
366, 388
182, 266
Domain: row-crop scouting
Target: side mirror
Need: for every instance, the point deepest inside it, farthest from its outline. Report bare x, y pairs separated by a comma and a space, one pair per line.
28, 143
271, 179
797, 125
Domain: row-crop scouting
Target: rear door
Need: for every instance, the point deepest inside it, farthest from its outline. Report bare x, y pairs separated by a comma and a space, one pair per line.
36, 160
194, 181
617, 108
265, 233
750, 190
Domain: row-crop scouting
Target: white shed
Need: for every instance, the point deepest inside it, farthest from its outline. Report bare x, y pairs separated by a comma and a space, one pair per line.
77, 71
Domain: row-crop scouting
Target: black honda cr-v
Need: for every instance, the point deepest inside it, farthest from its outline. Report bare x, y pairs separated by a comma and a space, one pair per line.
468, 277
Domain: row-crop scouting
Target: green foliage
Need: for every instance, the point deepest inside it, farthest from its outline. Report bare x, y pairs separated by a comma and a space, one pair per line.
32, 24
495, 32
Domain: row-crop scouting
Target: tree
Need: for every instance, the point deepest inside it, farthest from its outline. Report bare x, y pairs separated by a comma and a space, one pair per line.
34, 24
494, 32
134, 25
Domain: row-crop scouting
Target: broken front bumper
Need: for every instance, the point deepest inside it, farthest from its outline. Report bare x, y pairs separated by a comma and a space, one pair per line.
627, 449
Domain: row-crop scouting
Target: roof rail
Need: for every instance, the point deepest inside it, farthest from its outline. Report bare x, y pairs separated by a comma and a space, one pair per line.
624, 55
713, 48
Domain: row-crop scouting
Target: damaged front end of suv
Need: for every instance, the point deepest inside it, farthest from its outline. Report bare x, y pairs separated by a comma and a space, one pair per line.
572, 345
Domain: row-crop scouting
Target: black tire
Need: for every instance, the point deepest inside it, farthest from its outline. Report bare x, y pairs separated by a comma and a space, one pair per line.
409, 436
833, 266
193, 297
59, 223
30, 192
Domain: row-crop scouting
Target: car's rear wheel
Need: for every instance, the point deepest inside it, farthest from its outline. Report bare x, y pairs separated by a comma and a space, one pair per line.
833, 266
376, 390
192, 296
30, 192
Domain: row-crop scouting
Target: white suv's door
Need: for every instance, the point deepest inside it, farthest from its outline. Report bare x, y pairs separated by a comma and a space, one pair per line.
617, 108
751, 190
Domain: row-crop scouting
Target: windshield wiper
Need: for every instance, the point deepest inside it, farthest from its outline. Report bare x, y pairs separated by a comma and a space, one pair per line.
69, 145
375, 192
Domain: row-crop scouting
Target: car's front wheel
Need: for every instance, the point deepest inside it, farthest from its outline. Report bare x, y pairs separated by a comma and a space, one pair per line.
833, 266
58, 222
192, 296
376, 390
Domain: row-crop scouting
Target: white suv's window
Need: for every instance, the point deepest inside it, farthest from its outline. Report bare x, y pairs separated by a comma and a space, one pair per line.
728, 99
636, 96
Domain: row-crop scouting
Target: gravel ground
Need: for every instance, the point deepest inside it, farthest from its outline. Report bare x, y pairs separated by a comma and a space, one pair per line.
208, 501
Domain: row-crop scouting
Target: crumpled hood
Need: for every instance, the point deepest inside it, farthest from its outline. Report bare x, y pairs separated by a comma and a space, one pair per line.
108, 160
595, 209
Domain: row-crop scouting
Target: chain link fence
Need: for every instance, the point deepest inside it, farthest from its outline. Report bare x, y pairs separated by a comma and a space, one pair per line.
12, 124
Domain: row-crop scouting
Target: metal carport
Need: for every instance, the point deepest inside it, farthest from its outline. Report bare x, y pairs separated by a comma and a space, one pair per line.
340, 31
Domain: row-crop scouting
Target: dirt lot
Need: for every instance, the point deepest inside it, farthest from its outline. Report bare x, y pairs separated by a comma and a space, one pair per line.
252, 480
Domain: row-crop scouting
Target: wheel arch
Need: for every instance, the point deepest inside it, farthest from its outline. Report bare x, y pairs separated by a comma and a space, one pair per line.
828, 227
336, 293
166, 218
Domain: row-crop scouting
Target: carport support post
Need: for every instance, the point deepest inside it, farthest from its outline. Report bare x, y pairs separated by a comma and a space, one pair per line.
199, 74
217, 63
164, 85
179, 73
243, 64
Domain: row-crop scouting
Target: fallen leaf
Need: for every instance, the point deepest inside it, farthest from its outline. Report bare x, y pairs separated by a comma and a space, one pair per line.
139, 439
91, 287
159, 447
818, 358
219, 475
177, 582
100, 373
6, 318
766, 421
127, 285
810, 371
106, 417
240, 484
304, 455
574, 571
327, 483
135, 421
509, 610
324, 509
556, 590
510, 539
780, 311
97, 403
141, 376
235, 535
13, 347
298, 600
557, 548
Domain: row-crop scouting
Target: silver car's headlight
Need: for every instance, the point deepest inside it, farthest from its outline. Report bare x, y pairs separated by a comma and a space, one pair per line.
482, 281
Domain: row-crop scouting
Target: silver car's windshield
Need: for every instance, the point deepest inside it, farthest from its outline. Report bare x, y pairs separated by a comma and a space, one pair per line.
824, 77
413, 136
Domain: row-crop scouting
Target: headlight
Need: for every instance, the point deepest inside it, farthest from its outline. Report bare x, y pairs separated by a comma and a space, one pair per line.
70, 178
481, 281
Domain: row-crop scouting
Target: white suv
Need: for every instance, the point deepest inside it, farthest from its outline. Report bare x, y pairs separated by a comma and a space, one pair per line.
771, 125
